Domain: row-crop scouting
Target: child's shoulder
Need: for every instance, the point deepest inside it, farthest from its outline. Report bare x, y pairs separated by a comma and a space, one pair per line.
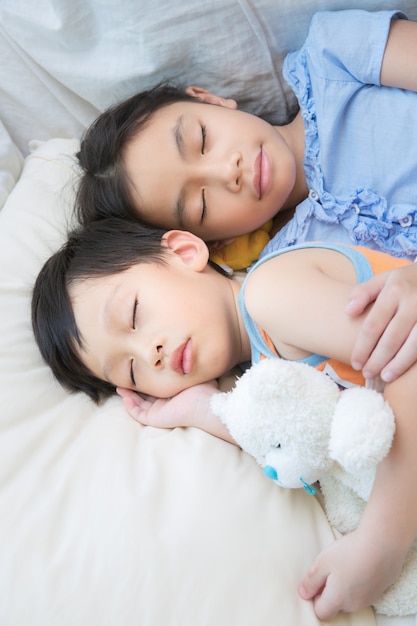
279, 275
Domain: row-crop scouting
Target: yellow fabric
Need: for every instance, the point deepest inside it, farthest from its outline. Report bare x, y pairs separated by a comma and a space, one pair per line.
244, 250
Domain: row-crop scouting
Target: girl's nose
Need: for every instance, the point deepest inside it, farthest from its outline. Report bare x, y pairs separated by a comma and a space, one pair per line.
149, 352
233, 173
222, 171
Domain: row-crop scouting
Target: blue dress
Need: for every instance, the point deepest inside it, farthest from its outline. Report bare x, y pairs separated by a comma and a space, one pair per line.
360, 138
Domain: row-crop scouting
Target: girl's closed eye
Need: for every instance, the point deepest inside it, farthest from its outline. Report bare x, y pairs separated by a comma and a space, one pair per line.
203, 195
203, 138
204, 206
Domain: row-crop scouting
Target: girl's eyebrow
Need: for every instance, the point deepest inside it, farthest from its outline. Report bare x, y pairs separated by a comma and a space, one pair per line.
178, 132
180, 210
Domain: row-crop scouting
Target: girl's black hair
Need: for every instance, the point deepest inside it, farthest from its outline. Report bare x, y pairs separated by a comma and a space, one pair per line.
104, 189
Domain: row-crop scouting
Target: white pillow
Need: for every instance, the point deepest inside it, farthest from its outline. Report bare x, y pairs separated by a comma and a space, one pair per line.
73, 59
11, 163
105, 522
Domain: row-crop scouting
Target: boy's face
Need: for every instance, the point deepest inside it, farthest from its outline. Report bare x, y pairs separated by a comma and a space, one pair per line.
155, 328
213, 170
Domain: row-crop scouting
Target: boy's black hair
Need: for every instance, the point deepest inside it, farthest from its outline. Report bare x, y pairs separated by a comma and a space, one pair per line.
101, 248
104, 189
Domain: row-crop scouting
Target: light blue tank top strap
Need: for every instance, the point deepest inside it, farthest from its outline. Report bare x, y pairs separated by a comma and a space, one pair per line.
259, 347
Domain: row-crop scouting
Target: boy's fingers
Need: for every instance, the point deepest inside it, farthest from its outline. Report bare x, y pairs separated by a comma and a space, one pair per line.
132, 408
122, 392
134, 404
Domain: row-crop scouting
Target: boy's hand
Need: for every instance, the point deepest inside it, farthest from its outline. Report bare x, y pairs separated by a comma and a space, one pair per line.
191, 407
387, 341
349, 575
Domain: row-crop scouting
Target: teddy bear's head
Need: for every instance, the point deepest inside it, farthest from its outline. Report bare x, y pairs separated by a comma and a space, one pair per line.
281, 413
297, 424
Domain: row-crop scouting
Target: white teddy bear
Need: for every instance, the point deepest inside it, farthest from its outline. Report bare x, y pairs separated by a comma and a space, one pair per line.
301, 429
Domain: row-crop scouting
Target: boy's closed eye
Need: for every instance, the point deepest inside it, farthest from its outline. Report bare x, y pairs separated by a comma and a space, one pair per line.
135, 308
132, 376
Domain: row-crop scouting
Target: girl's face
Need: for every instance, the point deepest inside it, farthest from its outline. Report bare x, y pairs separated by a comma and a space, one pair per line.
158, 328
213, 170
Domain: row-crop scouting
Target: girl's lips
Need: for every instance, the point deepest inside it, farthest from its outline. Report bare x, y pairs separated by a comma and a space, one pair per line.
261, 173
181, 359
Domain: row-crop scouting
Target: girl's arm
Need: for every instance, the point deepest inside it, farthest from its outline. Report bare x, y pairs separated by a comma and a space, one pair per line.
387, 343
387, 340
299, 300
400, 59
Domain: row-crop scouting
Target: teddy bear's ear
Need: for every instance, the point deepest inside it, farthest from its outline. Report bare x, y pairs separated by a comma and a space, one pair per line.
362, 429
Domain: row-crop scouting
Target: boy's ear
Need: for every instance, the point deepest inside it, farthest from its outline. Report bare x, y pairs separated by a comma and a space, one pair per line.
210, 98
189, 248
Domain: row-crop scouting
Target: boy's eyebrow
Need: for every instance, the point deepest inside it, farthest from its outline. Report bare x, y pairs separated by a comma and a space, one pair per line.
108, 312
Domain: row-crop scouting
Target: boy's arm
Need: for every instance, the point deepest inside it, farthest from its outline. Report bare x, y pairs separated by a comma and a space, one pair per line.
400, 58
299, 300
188, 408
387, 529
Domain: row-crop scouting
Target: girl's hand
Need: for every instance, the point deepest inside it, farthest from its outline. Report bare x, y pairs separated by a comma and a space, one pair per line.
387, 341
349, 575
191, 407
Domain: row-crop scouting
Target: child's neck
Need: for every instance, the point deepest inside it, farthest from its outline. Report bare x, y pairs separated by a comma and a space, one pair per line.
244, 347
293, 134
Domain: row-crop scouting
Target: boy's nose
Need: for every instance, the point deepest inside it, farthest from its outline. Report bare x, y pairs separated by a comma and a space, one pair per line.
157, 356
150, 352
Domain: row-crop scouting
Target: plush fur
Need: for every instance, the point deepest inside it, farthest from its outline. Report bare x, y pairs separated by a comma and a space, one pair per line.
301, 429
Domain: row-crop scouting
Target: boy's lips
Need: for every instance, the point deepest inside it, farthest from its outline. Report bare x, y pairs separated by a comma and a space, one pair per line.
261, 173
181, 359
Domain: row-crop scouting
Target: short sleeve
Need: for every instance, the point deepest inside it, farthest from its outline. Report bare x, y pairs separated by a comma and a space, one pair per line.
349, 45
